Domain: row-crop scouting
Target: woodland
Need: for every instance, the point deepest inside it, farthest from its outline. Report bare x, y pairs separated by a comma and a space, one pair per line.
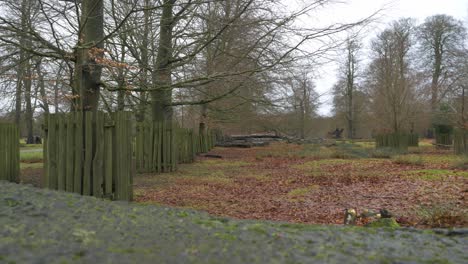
197, 126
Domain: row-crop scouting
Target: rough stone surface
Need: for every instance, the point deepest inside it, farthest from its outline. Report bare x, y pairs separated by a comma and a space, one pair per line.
40, 226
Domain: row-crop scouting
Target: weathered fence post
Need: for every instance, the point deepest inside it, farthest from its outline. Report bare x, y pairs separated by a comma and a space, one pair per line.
460, 142
9, 152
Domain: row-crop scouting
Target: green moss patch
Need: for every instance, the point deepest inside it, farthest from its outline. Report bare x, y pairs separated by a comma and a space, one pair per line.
384, 223
56, 227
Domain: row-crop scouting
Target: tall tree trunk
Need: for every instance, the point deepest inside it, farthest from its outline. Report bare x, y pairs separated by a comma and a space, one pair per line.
29, 110
302, 107
121, 81
350, 85
42, 91
350, 110
161, 96
144, 63
436, 72
25, 69
89, 51
203, 117
19, 89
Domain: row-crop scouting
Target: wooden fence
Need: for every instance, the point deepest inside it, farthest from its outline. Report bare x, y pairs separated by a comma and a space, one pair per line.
444, 139
393, 140
155, 147
413, 140
187, 145
9, 152
460, 141
443, 135
90, 154
160, 147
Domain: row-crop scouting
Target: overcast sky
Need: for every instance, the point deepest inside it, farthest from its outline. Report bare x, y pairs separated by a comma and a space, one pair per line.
393, 9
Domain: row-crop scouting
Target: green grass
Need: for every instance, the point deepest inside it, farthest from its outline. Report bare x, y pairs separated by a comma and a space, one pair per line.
31, 156
322, 164
206, 171
435, 175
38, 165
414, 160
365, 144
299, 192
24, 145
427, 159
221, 163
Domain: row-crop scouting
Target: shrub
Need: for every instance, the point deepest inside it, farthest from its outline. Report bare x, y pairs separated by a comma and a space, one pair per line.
384, 153
442, 215
349, 151
461, 164
408, 160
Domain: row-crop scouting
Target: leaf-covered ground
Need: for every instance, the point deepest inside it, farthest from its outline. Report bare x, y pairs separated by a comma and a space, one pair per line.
41, 226
310, 184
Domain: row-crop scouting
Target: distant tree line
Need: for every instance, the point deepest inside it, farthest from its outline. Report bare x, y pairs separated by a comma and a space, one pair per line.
414, 79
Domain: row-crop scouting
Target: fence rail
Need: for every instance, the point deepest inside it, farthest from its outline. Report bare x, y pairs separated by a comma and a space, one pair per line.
90, 154
9, 152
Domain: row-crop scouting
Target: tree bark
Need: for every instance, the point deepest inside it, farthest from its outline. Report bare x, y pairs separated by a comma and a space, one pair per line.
436, 72
25, 76
27, 97
144, 63
42, 91
121, 81
89, 52
162, 95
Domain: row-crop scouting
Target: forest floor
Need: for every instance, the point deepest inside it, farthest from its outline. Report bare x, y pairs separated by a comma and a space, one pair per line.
426, 188
313, 184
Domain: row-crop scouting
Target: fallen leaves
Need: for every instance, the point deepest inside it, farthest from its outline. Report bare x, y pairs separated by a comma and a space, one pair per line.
235, 191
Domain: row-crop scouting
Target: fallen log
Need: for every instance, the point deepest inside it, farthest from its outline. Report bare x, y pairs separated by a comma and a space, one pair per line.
234, 145
212, 156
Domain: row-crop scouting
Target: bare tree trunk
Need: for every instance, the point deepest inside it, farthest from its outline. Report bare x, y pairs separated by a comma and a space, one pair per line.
350, 110
435, 79
19, 88
352, 49
25, 70
42, 91
303, 110
27, 97
121, 81
162, 95
144, 63
203, 117
89, 51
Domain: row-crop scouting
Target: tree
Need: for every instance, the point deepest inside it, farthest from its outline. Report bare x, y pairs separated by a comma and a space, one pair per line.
389, 75
346, 87
441, 37
304, 101
89, 51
